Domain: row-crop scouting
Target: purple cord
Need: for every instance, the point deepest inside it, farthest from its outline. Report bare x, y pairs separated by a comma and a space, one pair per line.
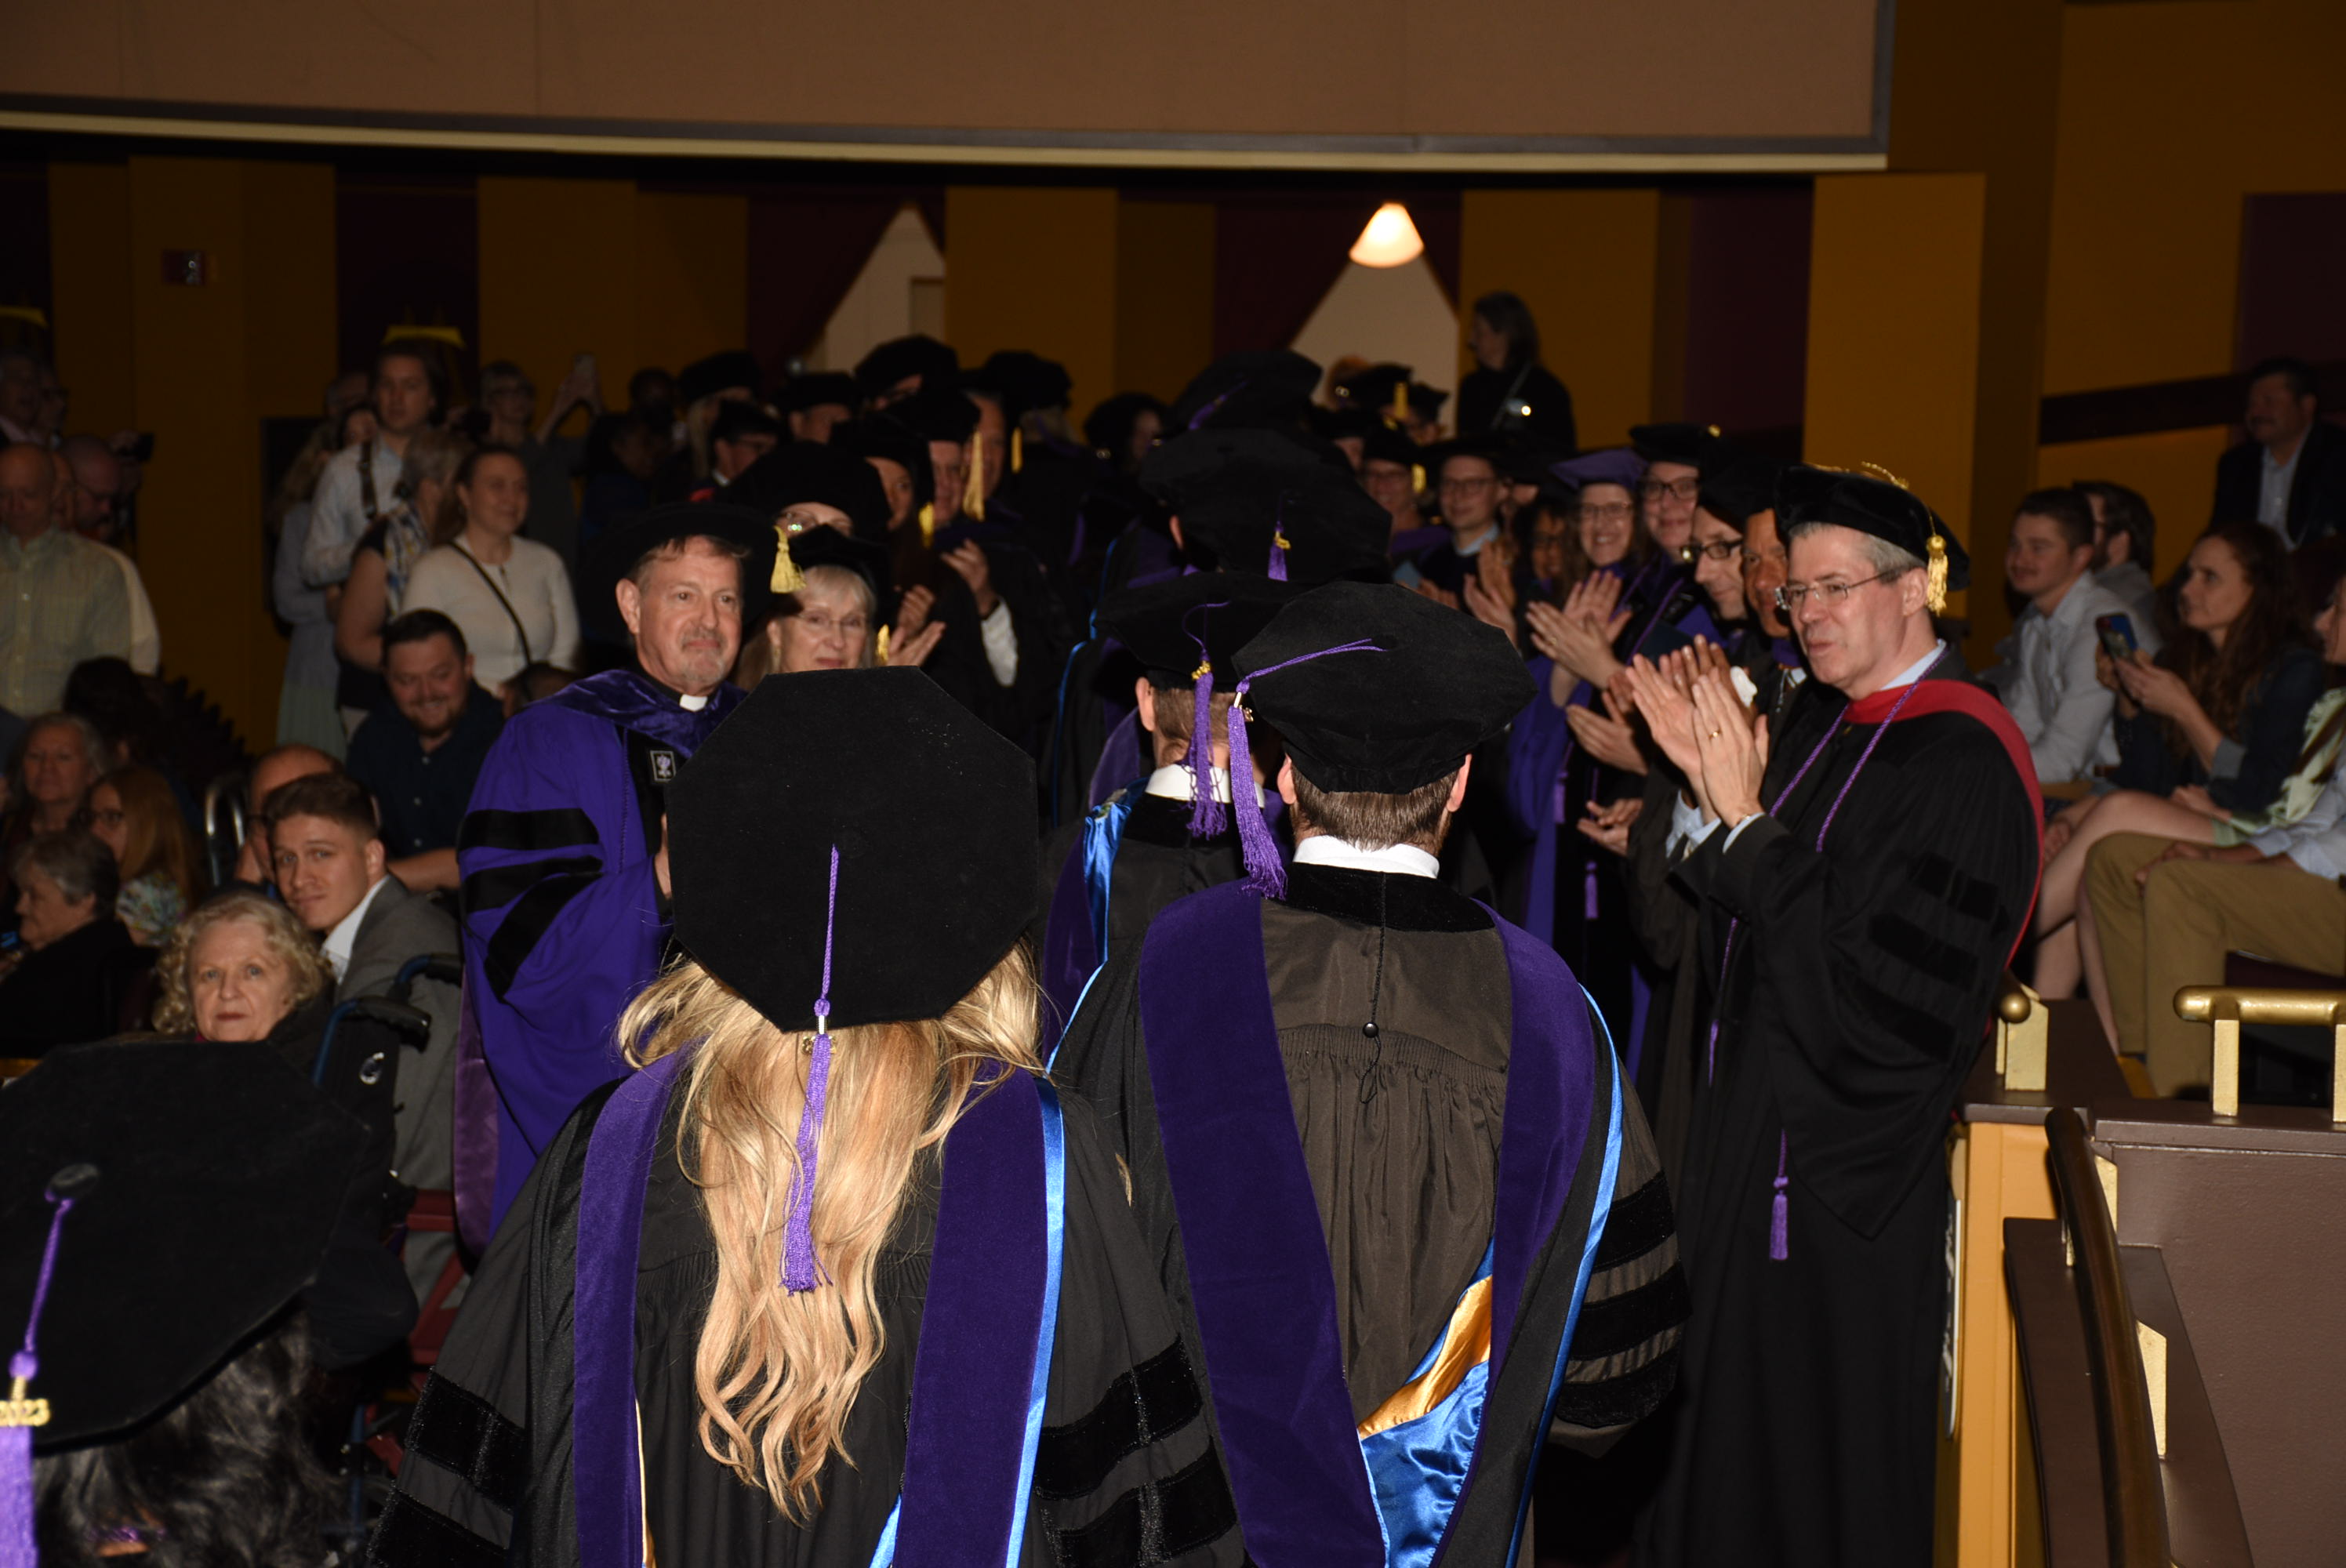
1265, 875
799, 1271
1207, 818
1779, 1207
17, 1549
1276, 570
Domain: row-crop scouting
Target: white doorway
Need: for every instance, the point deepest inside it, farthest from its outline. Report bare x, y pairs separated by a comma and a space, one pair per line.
900, 291
1396, 314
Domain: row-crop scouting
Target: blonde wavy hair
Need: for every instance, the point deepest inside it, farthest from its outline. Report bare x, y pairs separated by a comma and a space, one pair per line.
778, 1373
175, 1009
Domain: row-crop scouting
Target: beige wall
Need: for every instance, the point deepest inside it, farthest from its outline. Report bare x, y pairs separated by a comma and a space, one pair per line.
1705, 68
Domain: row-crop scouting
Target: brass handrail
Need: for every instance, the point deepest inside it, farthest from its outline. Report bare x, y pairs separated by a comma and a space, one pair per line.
2134, 1498
2230, 1006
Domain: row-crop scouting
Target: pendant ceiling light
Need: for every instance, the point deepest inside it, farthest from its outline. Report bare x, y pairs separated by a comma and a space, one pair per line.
1390, 240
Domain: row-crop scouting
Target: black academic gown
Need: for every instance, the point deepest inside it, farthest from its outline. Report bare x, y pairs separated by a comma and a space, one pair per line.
1667, 922
1124, 1449
1401, 1136
1022, 709
1157, 861
1854, 1002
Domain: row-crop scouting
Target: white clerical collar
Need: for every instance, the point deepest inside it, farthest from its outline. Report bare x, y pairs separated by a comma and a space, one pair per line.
1327, 849
345, 934
691, 704
1172, 782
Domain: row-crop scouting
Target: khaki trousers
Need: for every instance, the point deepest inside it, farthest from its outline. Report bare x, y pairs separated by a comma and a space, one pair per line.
2175, 931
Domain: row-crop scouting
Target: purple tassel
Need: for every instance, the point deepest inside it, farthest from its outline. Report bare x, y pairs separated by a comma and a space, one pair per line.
1277, 570
1780, 1214
1710, 1054
17, 1548
19, 1416
1265, 872
800, 1270
1205, 815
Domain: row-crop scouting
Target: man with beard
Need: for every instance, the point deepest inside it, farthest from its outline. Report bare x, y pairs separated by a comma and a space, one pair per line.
421, 755
561, 850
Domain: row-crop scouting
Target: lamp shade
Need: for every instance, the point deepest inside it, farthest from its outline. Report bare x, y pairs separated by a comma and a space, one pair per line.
1390, 240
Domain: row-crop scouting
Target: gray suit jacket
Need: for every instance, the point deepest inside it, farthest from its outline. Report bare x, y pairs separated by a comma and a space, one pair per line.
399, 926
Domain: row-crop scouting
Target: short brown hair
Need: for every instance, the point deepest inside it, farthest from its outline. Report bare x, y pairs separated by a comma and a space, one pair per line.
336, 797
1419, 817
1177, 709
2066, 509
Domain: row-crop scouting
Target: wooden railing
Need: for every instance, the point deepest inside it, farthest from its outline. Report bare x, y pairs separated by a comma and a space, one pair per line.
2133, 1496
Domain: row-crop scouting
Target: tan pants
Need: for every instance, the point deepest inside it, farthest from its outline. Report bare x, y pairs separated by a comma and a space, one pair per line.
2175, 931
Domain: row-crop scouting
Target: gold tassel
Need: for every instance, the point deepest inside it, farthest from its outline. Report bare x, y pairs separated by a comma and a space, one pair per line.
928, 523
787, 578
1401, 402
972, 494
880, 648
1017, 448
1417, 479
1934, 576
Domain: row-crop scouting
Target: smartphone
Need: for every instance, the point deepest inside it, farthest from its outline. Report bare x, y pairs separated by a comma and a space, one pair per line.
2117, 632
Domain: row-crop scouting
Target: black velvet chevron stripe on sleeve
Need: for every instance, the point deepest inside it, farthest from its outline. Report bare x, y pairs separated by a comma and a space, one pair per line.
1153, 1400
1625, 1347
1155, 1522
500, 885
460, 1432
549, 828
519, 932
410, 1535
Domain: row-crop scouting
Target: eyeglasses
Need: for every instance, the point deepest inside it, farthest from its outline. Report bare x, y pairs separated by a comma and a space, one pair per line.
1832, 596
1724, 550
823, 625
1608, 512
1683, 489
1467, 485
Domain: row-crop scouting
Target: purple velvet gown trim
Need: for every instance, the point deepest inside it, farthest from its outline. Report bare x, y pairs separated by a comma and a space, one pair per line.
974, 1370
1257, 1261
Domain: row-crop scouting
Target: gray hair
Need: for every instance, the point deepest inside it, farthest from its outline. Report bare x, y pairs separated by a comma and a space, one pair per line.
75, 860
93, 744
1888, 559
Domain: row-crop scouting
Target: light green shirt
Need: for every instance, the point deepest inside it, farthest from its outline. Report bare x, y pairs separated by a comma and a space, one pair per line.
61, 601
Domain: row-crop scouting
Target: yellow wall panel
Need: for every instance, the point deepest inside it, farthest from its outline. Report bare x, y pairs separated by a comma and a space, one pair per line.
199, 511
2174, 470
290, 324
90, 292
2169, 115
1585, 262
1032, 268
692, 281
1164, 296
550, 253
1894, 333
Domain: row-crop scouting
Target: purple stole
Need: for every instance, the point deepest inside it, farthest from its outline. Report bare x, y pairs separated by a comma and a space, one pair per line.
979, 1375
1259, 1274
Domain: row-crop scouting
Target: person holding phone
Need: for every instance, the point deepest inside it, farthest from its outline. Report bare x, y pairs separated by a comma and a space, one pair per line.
2214, 725
2047, 676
